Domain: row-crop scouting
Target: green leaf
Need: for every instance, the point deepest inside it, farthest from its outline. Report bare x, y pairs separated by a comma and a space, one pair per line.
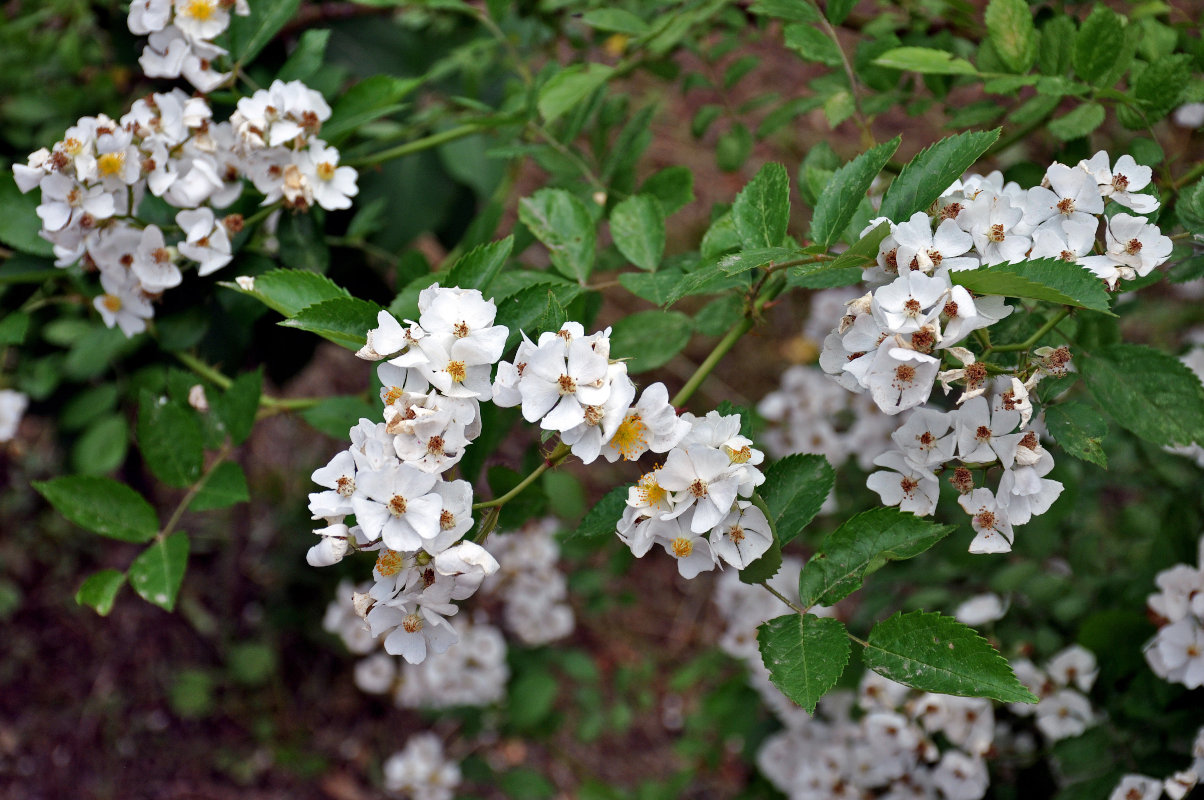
1147, 392
765, 567
603, 517
672, 186
932, 171
564, 225
794, 490
805, 655
845, 191
761, 211
290, 290
1161, 84
335, 415
227, 486
838, 10
861, 546
733, 148
1057, 45
569, 87
1079, 122
863, 252
101, 505
19, 224
14, 327
249, 35
100, 590
789, 10
306, 59
477, 268
935, 653
737, 263
637, 226
1012, 33
1100, 38
157, 573
303, 242
1079, 430
103, 446
925, 61
344, 320
615, 19
655, 287
650, 338
527, 310
238, 405
170, 438
368, 100
812, 44
1049, 279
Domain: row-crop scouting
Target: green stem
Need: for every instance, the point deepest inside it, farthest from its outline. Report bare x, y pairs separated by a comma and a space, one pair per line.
559, 454
417, 145
783, 598
1189, 176
192, 492
260, 214
704, 369
204, 370
215, 376
1028, 343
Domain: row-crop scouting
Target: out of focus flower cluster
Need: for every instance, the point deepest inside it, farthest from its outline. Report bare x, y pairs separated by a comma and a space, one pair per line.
1176, 653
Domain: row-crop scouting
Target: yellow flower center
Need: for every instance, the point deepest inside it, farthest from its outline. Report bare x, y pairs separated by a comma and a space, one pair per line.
393, 395
682, 547
326, 171
111, 163
741, 456
200, 10
457, 371
649, 491
111, 302
389, 563
631, 439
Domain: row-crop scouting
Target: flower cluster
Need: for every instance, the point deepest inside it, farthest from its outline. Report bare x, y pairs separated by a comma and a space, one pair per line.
1063, 711
1176, 653
897, 341
181, 34
533, 589
421, 771
697, 505
435, 371
1176, 786
94, 180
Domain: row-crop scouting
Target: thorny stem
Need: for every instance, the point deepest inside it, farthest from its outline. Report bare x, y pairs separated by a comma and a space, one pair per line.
1028, 343
192, 492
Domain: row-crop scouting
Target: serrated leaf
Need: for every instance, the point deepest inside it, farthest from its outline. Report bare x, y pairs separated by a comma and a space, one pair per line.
171, 441
934, 653
290, 290
805, 655
525, 310
649, 339
655, 287
862, 253
364, 102
227, 486
156, 574
1049, 279
932, 171
736, 263
637, 226
708, 279
765, 567
334, 415
603, 517
344, 320
477, 268
248, 35
1148, 392
19, 224
845, 191
861, 546
1160, 85
838, 10
926, 61
1100, 38
100, 590
569, 87
812, 44
615, 19
1079, 122
794, 490
672, 186
789, 10
1079, 430
761, 211
238, 405
1012, 33
564, 225
1057, 45
101, 505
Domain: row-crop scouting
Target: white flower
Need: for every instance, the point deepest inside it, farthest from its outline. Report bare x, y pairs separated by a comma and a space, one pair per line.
909, 302
1181, 585
338, 476
1068, 241
1122, 182
68, 204
201, 19
1073, 197
421, 771
702, 480
922, 250
992, 220
977, 429
398, 506
148, 16
961, 777
1026, 492
980, 609
1075, 666
925, 437
1177, 653
743, 536
1137, 787
376, 673
333, 186
692, 551
206, 240
411, 631
911, 487
123, 303
12, 408
153, 265
332, 547
1064, 715
899, 379
990, 521
602, 422
561, 379
652, 424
